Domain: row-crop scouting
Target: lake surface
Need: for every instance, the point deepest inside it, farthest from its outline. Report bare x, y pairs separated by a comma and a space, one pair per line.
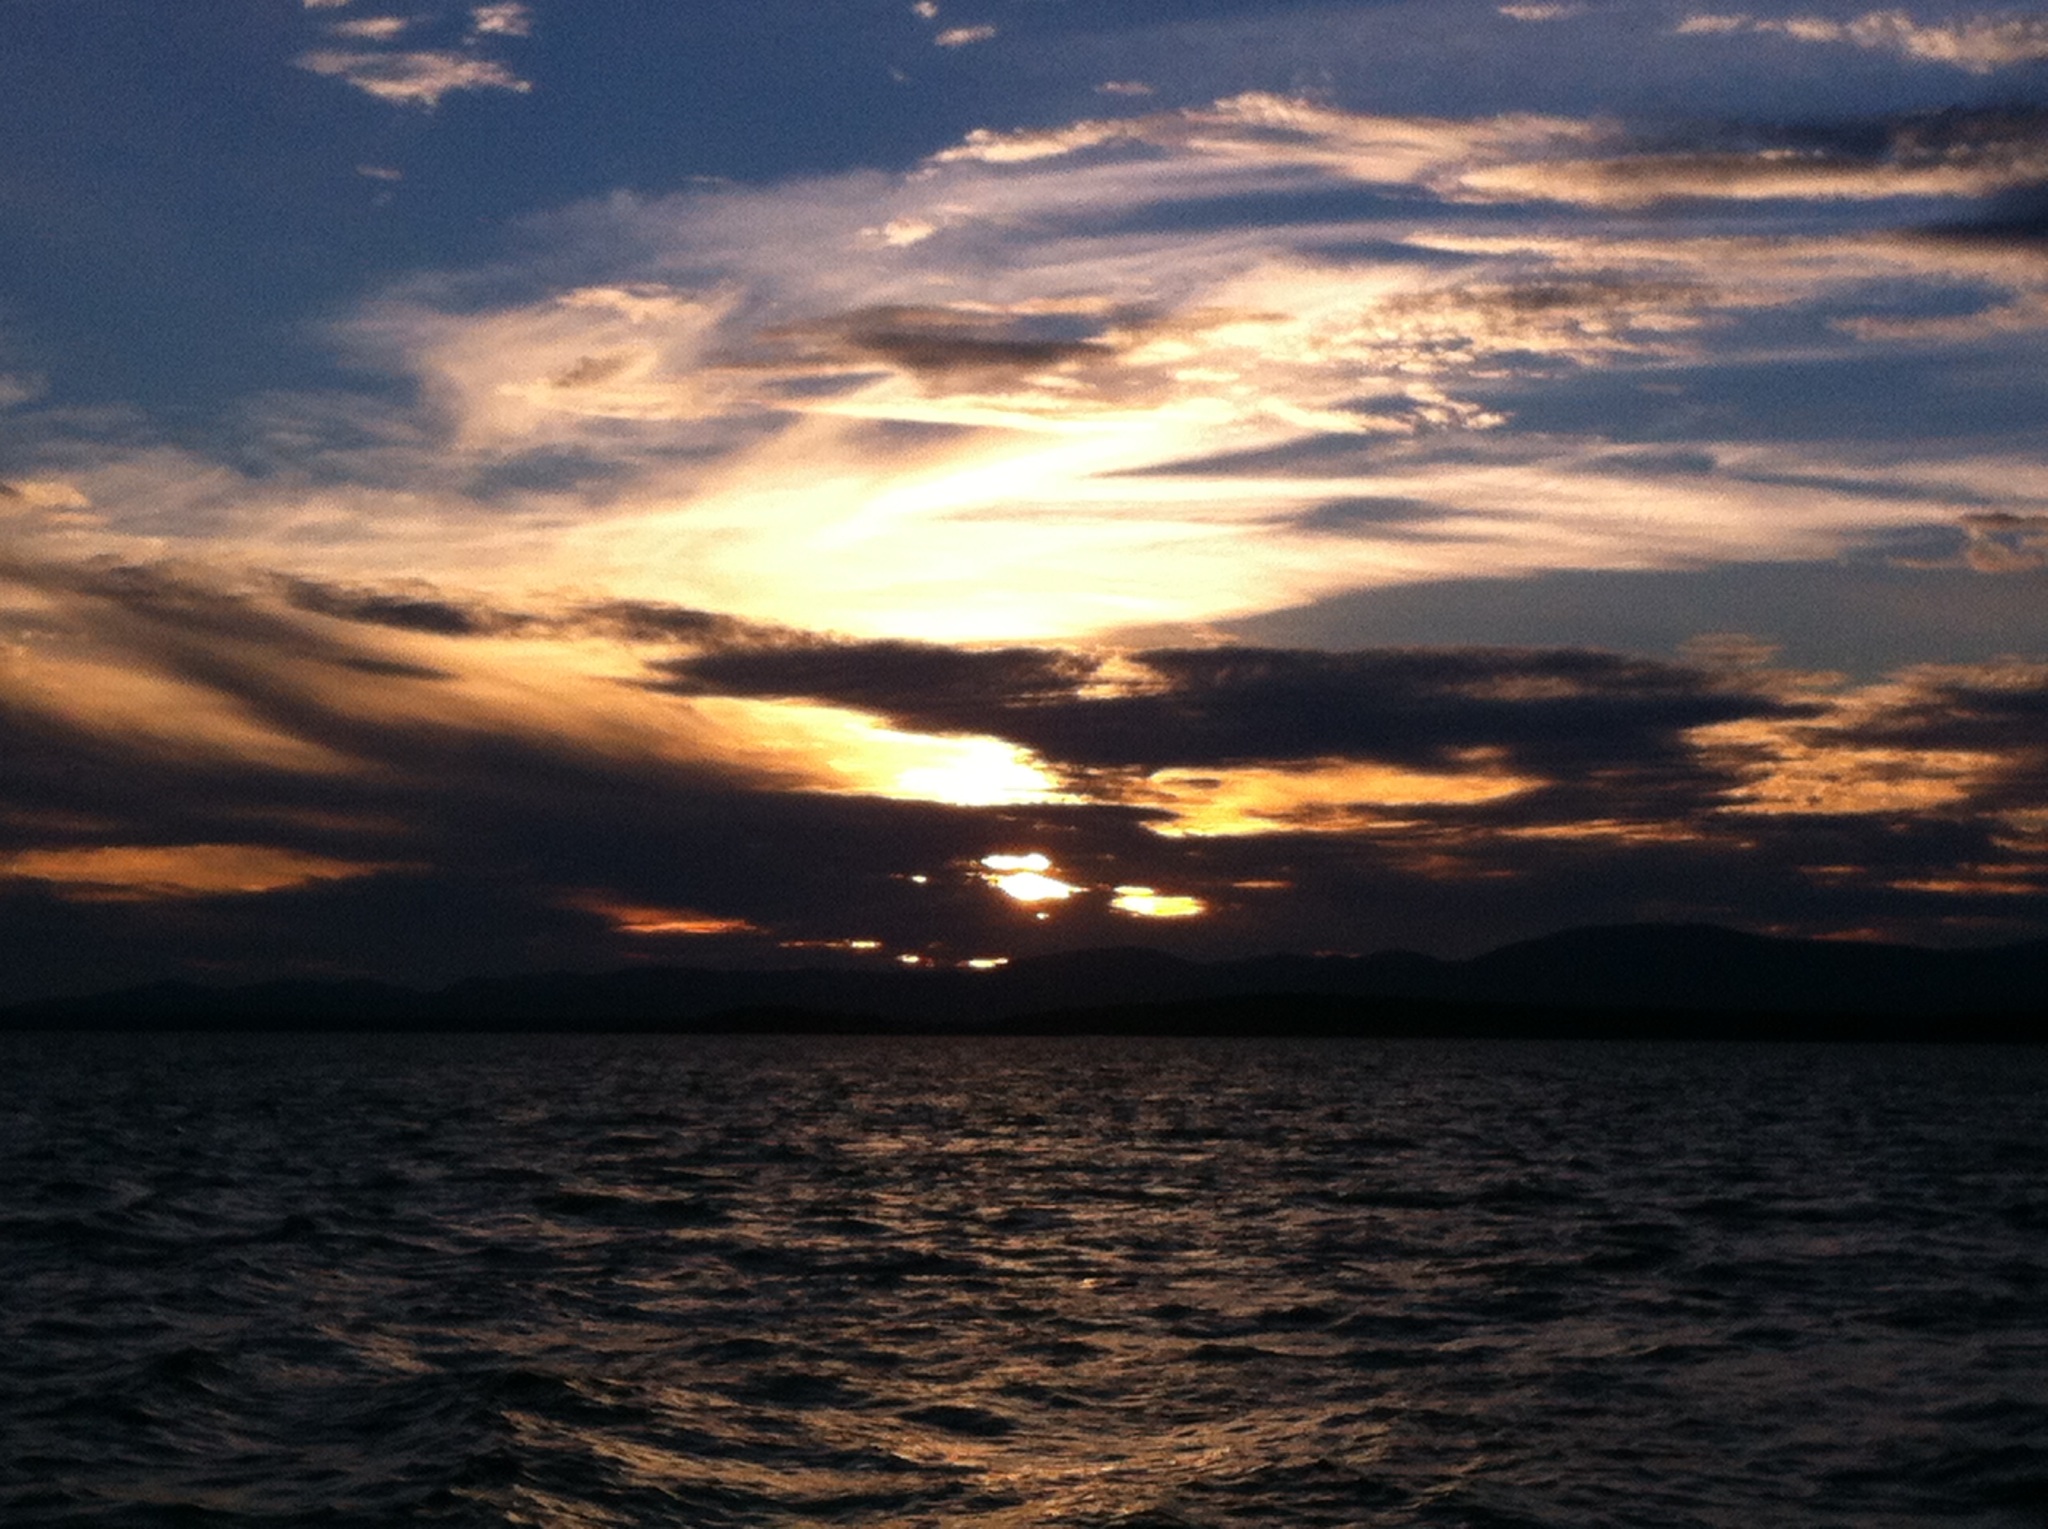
256, 1280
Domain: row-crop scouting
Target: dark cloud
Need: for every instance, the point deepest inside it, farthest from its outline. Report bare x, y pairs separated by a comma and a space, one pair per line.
417, 610
1998, 709
946, 343
417, 606
1242, 705
188, 625
926, 685
649, 621
945, 355
1230, 705
2017, 217
1981, 153
1944, 136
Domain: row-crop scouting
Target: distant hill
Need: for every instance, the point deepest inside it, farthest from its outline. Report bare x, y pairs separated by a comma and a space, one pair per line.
1640, 980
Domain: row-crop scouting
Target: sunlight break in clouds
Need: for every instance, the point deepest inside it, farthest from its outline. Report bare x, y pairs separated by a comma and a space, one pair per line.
1023, 878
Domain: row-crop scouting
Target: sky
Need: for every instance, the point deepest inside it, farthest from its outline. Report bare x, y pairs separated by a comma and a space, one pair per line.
522, 486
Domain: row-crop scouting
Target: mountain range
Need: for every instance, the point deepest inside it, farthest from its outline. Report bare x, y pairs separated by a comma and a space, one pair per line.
1641, 980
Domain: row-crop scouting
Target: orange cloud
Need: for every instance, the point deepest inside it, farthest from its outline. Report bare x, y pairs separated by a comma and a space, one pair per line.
148, 873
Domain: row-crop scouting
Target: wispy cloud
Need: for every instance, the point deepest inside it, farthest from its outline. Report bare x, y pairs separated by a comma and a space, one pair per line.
412, 78
1980, 44
371, 28
507, 19
1043, 387
961, 37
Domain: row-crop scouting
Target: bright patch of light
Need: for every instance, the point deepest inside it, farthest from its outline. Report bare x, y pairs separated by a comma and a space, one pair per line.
1023, 878
986, 963
1030, 887
1325, 796
848, 752
1016, 862
1146, 903
970, 772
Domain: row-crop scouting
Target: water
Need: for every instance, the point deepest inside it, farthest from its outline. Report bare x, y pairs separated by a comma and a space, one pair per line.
642, 1280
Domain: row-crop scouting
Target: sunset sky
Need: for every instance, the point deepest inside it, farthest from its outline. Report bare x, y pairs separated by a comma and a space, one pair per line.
525, 486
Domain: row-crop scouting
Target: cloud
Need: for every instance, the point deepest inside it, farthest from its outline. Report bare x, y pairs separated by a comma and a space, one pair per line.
149, 873
371, 28
44, 494
508, 19
961, 37
2001, 542
1979, 44
1994, 710
420, 609
1969, 154
949, 344
1958, 153
1277, 132
1547, 713
412, 78
1548, 12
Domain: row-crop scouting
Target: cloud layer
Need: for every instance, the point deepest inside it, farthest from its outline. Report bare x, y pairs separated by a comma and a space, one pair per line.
246, 780
1176, 367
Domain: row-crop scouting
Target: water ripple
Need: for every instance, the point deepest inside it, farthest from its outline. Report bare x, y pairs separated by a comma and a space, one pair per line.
345, 1281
